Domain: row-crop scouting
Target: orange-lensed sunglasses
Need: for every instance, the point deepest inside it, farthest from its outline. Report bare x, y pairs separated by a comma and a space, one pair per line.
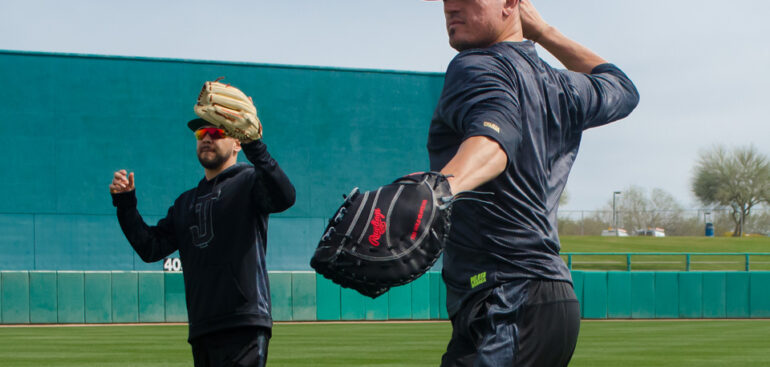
213, 132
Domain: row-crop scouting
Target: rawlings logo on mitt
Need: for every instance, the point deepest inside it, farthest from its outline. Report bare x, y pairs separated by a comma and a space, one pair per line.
230, 109
386, 237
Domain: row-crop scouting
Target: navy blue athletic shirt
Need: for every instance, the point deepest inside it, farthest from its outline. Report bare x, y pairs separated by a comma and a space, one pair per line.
537, 114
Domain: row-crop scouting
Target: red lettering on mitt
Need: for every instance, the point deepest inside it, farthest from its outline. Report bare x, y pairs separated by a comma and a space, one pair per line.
379, 227
418, 221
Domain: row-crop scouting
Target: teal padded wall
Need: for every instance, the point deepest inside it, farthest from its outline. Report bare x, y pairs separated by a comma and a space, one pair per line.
98, 297
680, 294
666, 295
377, 308
280, 295
577, 284
152, 305
117, 297
303, 296
93, 115
15, 297
421, 298
328, 299
352, 305
71, 294
643, 295
714, 294
619, 294
125, 296
760, 294
43, 305
691, 295
442, 312
176, 306
737, 295
594, 295
436, 284
400, 302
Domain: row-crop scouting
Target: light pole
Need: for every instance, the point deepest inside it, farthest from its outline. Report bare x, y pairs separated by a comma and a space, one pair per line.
615, 213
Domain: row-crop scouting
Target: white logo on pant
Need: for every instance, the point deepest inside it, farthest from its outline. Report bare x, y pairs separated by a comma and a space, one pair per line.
203, 233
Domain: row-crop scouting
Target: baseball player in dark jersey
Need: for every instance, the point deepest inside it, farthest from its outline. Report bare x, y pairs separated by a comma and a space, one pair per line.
220, 230
509, 124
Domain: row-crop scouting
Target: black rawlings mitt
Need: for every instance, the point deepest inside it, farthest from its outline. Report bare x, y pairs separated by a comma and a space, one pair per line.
386, 237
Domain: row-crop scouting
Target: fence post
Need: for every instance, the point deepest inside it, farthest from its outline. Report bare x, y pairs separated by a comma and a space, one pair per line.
628, 262
747, 263
687, 267
569, 261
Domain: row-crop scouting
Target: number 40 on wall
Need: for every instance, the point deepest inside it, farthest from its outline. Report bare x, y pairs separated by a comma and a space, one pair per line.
172, 264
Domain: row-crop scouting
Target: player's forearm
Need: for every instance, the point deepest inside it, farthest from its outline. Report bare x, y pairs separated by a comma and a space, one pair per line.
571, 54
478, 160
149, 245
273, 189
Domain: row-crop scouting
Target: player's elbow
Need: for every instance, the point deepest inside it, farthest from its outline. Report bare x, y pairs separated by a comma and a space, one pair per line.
631, 99
149, 257
627, 96
286, 200
287, 203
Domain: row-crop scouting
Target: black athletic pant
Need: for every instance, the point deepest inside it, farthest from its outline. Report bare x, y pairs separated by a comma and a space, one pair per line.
236, 347
525, 323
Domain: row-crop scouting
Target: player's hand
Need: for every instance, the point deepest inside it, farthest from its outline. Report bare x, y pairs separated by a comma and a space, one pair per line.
122, 181
532, 23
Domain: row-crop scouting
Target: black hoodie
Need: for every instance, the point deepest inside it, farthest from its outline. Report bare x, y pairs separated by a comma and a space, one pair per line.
220, 230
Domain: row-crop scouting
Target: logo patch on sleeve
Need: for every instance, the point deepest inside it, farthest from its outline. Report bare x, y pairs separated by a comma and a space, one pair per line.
478, 279
492, 126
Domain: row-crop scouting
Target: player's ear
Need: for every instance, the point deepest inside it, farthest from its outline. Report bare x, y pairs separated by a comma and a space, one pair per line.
236, 146
510, 6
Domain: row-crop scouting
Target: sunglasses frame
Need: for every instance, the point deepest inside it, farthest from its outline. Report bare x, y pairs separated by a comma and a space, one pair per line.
220, 133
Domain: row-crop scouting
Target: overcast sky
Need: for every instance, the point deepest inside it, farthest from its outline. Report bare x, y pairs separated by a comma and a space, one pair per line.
702, 67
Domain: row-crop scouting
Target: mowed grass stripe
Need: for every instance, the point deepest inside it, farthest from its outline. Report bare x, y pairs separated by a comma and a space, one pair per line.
676, 343
602, 343
624, 245
664, 244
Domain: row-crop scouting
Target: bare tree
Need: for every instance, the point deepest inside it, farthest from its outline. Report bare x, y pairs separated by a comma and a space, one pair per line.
738, 179
638, 211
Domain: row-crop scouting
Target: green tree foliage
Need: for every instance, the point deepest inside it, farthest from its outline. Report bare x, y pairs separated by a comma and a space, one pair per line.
737, 179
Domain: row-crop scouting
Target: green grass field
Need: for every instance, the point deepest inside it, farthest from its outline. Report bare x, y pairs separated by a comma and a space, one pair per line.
667, 244
602, 343
664, 244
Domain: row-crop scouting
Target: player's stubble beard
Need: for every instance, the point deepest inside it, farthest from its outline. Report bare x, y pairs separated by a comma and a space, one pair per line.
462, 41
212, 161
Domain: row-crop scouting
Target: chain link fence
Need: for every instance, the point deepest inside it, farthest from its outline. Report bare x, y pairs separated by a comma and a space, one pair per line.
690, 222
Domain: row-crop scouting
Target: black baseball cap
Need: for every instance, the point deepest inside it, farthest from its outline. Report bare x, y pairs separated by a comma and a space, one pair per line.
198, 123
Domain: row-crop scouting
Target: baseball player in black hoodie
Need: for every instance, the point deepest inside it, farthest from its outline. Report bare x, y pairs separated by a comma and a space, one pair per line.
220, 230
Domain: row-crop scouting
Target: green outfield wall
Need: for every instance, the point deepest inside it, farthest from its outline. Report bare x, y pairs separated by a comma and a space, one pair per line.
78, 118
48, 297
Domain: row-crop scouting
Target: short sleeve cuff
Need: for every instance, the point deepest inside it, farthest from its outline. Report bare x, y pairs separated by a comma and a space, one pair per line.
606, 68
504, 133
